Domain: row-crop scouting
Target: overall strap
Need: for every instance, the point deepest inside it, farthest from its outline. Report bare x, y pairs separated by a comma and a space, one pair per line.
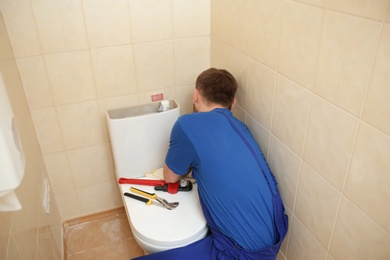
251, 149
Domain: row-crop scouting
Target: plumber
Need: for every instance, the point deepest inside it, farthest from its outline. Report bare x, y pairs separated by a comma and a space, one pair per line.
238, 193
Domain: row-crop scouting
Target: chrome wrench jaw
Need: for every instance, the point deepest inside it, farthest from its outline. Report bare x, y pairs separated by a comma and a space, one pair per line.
166, 204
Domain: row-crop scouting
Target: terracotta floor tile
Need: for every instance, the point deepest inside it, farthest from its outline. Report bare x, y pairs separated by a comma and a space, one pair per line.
101, 236
94, 234
133, 249
116, 251
125, 226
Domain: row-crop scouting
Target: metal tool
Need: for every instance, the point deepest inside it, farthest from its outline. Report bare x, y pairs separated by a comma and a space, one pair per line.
172, 188
150, 197
182, 185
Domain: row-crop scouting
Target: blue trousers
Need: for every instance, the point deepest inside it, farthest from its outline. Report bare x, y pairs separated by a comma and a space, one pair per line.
218, 246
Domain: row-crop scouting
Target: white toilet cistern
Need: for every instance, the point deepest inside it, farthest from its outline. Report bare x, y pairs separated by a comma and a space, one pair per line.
139, 140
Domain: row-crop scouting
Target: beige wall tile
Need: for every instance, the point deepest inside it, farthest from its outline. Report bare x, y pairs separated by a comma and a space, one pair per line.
155, 65
48, 130
13, 251
68, 204
13, 85
184, 95
192, 56
317, 204
291, 109
59, 172
215, 12
110, 160
286, 241
232, 23
261, 88
28, 137
117, 102
114, 71
35, 82
345, 59
260, 133
151, 20
319, 3
107, 22
80, 124
303, 245
239, 113
146, 97
369, 173
377, 107
265, 31
5, 241
388, 14
71, 77
5, 46
99, 197
21, 27
29, 197
285, 166
357, 237
60, 25
301, 30
89, 165
329, 140
366, 8
27, 238
242, 90
236, 62
280, 256
191, 18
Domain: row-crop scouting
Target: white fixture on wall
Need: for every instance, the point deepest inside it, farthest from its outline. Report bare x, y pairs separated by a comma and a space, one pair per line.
46, 196
12, 163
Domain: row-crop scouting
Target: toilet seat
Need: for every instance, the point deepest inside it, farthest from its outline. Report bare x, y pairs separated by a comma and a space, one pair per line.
164, 229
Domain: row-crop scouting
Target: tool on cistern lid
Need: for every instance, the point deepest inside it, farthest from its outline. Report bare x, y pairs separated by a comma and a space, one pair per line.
149, 197
182, 185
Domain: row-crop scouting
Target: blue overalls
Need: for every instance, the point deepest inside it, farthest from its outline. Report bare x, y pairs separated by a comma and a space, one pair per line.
217, 245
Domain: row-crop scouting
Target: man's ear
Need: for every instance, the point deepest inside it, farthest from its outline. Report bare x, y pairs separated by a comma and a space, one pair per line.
196, 96
233, 104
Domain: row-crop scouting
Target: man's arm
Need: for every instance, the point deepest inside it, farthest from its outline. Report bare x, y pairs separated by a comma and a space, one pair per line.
170, 176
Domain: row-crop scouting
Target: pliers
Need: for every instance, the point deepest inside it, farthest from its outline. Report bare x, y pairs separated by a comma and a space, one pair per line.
150, 197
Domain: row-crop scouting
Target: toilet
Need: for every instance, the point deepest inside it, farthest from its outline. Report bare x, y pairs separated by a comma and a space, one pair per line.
139, 141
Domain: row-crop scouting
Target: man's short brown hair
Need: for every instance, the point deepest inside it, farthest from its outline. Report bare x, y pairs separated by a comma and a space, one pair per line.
217, 86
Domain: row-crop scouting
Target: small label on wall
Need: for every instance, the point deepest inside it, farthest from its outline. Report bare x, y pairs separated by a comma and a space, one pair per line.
157, 97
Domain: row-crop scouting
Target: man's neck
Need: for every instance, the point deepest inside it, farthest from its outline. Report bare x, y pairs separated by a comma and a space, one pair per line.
208, 107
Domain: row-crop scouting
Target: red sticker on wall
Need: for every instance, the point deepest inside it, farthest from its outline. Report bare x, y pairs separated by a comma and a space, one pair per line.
157, 97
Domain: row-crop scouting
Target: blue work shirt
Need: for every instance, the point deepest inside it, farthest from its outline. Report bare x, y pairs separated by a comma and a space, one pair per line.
230, 183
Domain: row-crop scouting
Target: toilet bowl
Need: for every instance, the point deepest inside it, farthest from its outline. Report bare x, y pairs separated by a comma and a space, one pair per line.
139, 140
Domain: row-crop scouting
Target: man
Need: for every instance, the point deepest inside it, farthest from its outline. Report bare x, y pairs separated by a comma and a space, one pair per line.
237, 190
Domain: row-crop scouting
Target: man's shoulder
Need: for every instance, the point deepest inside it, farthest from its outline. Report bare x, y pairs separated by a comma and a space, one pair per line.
194, 121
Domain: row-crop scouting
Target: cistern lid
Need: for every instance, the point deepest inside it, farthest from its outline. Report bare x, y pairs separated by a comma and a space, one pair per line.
166, 228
